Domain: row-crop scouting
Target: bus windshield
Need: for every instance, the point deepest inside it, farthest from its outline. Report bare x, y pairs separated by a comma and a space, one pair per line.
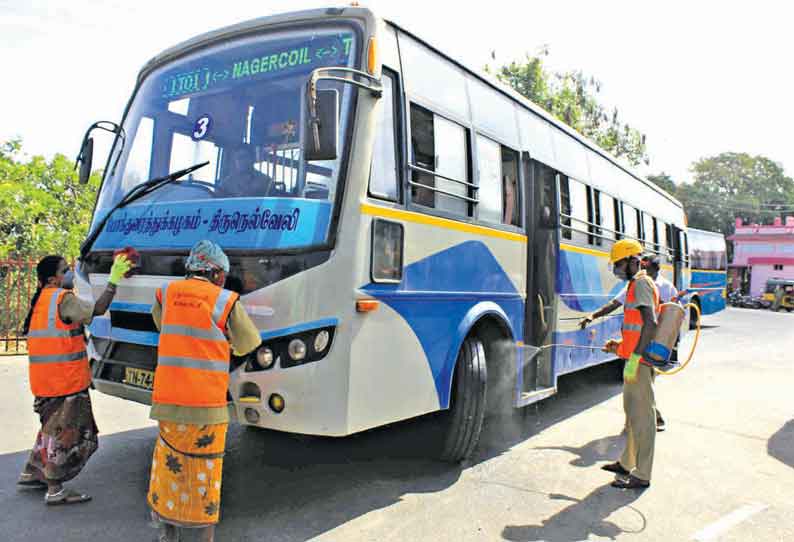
237, 105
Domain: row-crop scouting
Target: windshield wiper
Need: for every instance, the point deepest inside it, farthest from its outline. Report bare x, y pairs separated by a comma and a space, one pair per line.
136, 193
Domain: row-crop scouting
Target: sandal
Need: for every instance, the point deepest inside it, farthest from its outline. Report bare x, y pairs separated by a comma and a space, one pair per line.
66, 496
29, 481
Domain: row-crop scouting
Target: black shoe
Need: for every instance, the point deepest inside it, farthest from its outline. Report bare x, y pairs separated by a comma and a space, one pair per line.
632, 482
615, 467
660, 425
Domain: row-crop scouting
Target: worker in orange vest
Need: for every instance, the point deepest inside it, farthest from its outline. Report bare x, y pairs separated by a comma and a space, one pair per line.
200, 325
60, 376
639, 327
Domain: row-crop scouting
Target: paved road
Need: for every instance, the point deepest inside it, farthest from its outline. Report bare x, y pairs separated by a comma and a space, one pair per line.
724, 469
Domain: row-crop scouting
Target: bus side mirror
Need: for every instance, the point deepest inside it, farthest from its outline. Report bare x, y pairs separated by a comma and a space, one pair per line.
322, 126
85, 159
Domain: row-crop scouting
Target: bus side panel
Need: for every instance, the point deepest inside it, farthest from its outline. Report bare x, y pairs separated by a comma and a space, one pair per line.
450, 279
710, 286
584, 284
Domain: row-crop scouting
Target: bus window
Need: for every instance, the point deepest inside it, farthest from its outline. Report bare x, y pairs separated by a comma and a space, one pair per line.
511, 213
608, 216
140, 159
489, 163
666, 247
565, 207
384, 174
630, 227
439, 146
656, 247
640, 226
620, 227
647, 230
185, 152
593, 216
579, 199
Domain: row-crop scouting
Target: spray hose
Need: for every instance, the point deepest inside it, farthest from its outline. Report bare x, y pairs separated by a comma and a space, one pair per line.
671, 372
691, 351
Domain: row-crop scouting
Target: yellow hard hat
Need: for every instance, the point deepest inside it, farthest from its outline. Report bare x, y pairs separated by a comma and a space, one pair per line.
623, 249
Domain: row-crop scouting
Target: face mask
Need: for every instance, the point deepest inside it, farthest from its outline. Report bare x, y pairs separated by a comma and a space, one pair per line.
621, 272
68, 280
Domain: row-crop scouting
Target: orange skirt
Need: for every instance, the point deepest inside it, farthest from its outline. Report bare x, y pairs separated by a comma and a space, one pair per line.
185, 486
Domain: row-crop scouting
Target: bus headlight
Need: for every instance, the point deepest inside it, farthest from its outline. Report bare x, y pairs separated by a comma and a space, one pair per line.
264, 357
291, 350
321, 341
297, 349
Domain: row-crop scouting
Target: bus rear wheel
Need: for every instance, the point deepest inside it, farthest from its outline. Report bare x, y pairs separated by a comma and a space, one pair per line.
693, 315
463, 421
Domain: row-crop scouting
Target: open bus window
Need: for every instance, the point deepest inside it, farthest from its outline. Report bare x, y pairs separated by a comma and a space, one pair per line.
510, 194
441, 146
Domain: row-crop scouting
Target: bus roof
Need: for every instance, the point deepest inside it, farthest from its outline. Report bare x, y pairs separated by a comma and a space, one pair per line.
706, 232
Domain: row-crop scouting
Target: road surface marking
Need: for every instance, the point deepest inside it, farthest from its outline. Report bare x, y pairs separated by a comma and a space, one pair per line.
728, 522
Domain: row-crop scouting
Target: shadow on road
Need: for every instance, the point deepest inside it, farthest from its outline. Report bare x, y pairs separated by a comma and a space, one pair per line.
286, 487
582, 518
603, 449
781, 444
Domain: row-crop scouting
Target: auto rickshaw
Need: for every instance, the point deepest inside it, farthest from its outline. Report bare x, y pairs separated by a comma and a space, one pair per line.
780, 293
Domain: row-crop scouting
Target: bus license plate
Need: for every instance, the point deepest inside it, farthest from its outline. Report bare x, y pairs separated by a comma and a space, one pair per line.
139, 378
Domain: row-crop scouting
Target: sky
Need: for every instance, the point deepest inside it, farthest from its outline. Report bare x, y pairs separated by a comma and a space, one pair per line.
697, 77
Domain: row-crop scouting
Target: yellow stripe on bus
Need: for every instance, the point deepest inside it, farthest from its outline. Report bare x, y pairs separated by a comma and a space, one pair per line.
581, 250
720, 271
418, 218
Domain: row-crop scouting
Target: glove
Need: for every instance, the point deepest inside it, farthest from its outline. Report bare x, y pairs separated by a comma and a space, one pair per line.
120, 267
585, 321
631, 368
611, 346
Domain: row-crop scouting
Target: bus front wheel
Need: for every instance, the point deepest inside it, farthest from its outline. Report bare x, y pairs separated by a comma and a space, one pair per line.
464, 418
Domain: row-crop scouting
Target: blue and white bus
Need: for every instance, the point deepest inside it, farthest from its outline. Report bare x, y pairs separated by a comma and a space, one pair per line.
405, 232
709, 268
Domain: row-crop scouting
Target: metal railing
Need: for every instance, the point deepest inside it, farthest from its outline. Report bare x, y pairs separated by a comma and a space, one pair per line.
17, 284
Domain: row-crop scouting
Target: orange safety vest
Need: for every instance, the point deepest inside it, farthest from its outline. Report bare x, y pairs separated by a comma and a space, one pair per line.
193, 353
56, 350
632, 318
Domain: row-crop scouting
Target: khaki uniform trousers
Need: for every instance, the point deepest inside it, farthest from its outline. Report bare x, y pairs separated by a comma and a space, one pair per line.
638, 403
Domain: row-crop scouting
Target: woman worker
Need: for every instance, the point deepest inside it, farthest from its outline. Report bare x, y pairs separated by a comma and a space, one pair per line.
59, 379
200, 324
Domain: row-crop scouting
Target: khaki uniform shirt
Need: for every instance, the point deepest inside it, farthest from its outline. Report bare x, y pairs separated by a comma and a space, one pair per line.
243, 337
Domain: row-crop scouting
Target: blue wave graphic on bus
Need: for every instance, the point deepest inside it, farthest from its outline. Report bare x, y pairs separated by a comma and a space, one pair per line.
437, 295
709, 287
250, 223
580, 288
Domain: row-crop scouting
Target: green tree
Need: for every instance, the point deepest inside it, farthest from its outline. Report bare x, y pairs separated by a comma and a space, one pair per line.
43, 207
572, 97
663, 181
732, 185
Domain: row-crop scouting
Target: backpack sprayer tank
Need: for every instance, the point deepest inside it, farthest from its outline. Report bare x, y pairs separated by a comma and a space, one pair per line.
667, 329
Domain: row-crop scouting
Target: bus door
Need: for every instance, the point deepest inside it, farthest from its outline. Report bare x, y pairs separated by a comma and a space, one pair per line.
540, 202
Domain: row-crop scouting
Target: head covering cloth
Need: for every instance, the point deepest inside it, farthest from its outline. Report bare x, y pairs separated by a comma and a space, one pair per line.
207, 256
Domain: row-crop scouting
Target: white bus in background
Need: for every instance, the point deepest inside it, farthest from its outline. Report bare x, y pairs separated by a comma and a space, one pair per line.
405, 232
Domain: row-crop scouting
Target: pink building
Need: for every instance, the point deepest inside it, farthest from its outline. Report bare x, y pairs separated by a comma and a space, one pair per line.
761, 253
